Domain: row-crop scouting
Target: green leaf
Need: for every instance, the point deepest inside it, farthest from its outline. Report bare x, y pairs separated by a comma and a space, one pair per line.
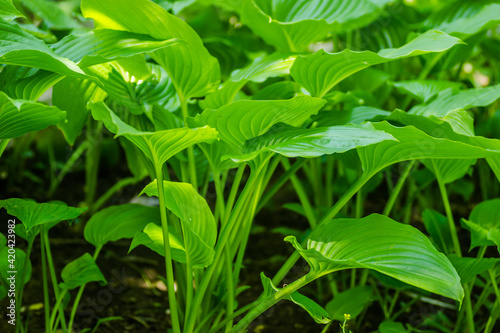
22, 49
391, 327
351, 302
320, 72
436, 225
81, 271
464, 18
6, 271
414, 144
72, 95
157, 146
53, 16
424, 90
192, 69
301, 142
384, 245
34, 86
198, 223
104, 45
32, 214
484, 223
315, 310
152, 237
243, 120
449, 170
18, 117
8, 11
292, 25
448, 100
262, 68
468, 268
117, 222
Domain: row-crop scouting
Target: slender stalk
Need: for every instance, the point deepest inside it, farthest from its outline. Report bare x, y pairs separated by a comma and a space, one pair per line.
21, 289
234, 189
67, 167
468, 310
237, 313
272, 299
230, 287
3, 145
168, 256
54, 311
80, 293
92, 162
449, 215
45, 283
306, 204
190, 151
45, 235
397, 189
495, 312
224, 235
111, 191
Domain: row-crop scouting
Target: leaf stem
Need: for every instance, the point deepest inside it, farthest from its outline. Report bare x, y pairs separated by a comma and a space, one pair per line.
397, 189
166, 245
190, 151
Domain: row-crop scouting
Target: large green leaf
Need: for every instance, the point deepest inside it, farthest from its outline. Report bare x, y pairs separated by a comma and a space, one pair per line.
152, 237
81, 271
415, 144
22, 49
157, 146
424, 90
243, 120
192, 69
448, 100
303, 142
72, 95
8, 11
351, 302
449, 170
32, 214
320, 72
198, 223
103, 45
292, 25
484, 223
117, 222
384, 245
259, 70
465, 18
18, 117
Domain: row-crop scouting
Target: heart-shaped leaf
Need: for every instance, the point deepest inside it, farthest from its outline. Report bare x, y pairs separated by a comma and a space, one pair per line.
384, 245
117, 222
320, 72
81, 271
484, 223
32, 214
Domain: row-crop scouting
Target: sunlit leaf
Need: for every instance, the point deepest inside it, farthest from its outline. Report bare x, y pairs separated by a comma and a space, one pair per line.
8, 11
384, 245
320, 72
424, 90
152, 237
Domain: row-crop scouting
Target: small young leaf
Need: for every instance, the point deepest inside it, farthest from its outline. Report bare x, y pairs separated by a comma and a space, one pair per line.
384, 245
468, 268
352, 302
483, 223
32, 214
81, 271
117, 222
314, 309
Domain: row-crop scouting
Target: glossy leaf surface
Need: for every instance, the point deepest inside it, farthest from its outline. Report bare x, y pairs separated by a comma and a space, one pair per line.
81, 271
